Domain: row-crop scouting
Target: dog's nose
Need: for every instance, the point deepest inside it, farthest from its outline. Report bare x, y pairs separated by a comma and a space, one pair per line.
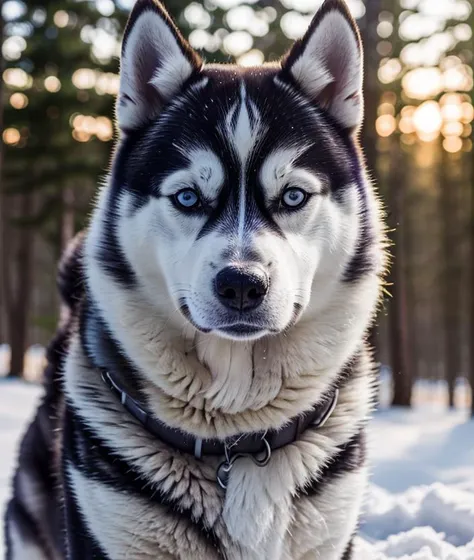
242, 289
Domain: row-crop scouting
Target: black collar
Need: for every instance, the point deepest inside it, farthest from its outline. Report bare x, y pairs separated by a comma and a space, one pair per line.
247, 443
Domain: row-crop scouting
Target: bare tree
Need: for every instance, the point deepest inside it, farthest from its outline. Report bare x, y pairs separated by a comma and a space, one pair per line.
18, 284
3, 262
471, 365
471, 283
372, 97
397, 316
451, 275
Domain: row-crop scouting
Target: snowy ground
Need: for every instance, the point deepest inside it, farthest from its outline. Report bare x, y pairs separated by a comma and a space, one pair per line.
420, 505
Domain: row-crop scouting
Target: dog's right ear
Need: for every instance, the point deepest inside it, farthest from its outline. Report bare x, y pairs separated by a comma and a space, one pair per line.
156, 62
326, 64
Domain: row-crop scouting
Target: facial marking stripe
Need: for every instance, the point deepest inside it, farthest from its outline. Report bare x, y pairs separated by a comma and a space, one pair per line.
243, 125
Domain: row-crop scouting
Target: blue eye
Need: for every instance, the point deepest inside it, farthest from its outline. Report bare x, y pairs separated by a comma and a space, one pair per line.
187, 198
294, 198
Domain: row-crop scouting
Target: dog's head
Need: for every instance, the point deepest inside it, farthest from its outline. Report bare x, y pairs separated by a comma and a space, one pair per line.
237, 197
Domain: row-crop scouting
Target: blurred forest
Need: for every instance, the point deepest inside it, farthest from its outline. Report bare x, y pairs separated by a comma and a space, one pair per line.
59, 69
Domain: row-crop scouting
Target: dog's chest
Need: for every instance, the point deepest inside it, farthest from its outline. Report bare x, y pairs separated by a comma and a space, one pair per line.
259, 518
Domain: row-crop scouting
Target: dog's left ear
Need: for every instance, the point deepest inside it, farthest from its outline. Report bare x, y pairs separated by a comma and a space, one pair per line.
155, 65
327, 63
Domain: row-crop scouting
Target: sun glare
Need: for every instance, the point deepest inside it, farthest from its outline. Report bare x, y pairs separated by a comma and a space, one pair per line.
86, 126
428, 120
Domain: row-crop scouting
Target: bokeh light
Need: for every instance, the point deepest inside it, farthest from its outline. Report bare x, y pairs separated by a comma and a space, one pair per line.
86, 126
17, 78
237, 43
451, 111
13, 47
80, 135
197, 16
452, 144
386, 125
61, 18
423, 83
18, 100
253, 57
52, 84
428, 120
84, 78
452, 129
11, 136
467, 111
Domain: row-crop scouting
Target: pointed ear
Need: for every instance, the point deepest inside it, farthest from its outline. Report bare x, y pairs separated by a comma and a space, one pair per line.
327, 63
155, 64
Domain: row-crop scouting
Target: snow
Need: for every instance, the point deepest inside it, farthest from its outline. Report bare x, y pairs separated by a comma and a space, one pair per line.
17, 403
420, 504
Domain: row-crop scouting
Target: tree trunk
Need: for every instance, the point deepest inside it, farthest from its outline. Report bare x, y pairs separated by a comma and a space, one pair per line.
3, 262
372, 97
17, 339
471, 357
451, 288
471, 290
471, 365
397, 313
19, 314
410, 272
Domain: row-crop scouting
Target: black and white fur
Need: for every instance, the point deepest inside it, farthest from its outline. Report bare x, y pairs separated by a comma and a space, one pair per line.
245, 144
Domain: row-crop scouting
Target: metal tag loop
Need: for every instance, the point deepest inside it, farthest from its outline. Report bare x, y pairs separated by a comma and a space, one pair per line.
225, 467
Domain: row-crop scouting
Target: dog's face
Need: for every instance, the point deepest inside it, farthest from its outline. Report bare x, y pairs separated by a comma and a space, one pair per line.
237, 192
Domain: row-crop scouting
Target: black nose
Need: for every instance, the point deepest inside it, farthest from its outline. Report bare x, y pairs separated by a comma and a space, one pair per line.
242, 289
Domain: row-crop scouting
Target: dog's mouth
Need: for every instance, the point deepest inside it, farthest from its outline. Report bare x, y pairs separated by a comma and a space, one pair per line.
240, 330
244, 331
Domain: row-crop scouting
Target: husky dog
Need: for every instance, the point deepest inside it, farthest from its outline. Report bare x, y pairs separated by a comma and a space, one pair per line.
217, 379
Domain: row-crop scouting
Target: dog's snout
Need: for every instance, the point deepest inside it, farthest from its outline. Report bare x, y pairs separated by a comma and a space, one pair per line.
241, 289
